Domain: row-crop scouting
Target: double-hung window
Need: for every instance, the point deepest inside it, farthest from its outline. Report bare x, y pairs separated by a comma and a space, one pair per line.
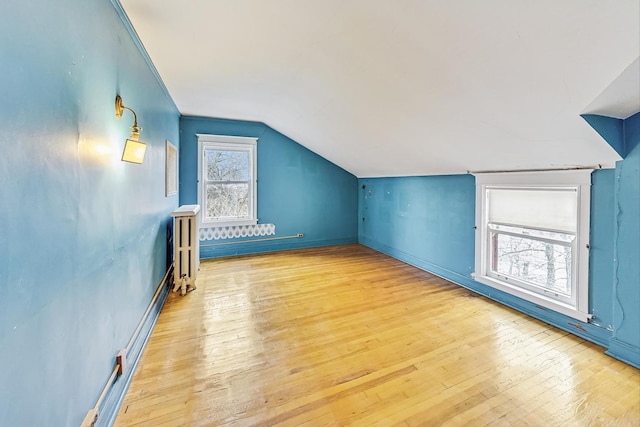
533, 237
227, 187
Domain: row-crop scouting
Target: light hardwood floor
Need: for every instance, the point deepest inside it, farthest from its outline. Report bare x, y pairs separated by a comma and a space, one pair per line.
347, 336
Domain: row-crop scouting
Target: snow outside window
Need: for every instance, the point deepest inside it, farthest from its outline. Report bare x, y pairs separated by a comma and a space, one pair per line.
227, 180
533, 237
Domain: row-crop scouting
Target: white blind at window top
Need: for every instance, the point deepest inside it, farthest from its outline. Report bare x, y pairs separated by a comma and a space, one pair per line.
555, 209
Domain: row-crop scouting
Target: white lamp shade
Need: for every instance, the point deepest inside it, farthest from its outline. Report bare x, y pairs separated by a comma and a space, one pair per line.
134, 151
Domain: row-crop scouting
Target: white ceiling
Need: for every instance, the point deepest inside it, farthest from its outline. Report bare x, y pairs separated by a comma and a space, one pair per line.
404, 87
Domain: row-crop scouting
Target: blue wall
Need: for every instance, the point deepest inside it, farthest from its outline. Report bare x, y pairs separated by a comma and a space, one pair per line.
298, 191
601, 252
428, 222
610, 129
83, 234
623, 135
626, 278
631, 127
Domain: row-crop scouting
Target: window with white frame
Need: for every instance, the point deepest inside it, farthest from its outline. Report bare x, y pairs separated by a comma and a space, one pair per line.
227, 180
532, 237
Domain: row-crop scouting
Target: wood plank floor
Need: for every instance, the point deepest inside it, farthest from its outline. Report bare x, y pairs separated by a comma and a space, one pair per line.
347, 336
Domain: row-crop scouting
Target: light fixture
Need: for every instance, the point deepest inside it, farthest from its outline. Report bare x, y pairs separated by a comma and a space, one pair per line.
133, 149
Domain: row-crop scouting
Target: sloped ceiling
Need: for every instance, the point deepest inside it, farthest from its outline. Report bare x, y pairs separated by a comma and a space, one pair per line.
403, 87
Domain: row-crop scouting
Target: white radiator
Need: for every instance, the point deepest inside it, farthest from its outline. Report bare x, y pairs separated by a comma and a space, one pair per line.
186, 247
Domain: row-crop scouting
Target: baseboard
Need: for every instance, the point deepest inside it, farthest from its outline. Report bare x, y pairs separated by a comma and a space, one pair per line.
623, 351
249, 248
111, 405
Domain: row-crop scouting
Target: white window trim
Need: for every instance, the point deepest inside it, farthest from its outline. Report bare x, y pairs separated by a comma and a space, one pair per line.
581, 179
231, 142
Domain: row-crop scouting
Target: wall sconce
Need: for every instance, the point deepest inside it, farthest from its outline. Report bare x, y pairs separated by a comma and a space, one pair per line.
133, 149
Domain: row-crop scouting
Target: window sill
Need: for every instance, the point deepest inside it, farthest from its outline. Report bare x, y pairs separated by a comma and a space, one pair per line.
535, 298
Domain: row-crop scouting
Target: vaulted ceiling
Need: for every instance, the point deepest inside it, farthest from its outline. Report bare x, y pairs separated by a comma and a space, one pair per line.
406, 87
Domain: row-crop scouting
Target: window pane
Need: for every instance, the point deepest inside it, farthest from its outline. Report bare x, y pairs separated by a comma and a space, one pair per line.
227, 201
532, 232
551, 209
541, 264
227, 165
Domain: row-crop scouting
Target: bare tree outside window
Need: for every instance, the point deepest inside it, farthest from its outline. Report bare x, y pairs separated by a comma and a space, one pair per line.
532, 238
227, 180
541, 263
227, 184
